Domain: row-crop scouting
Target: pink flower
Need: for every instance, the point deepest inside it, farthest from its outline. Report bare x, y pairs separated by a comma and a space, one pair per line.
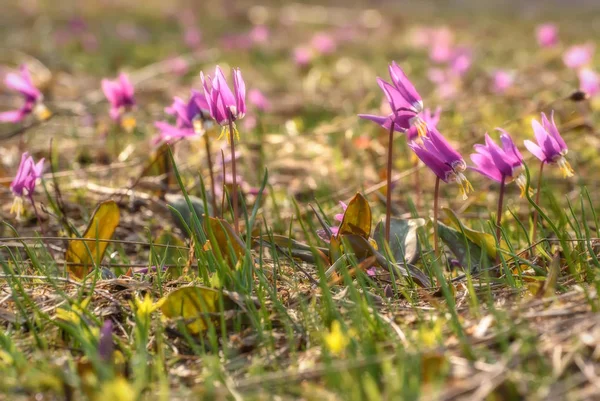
302, 56
258, 99
24, 182
120, 95
547, 35
334, 230
323, 43
589, 82
225, 106
462, 58
24, 85
260, 34
579, 56
502, 81
192, 37
178, 65
186, 114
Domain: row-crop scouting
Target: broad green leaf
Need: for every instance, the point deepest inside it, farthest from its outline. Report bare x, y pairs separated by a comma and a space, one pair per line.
83, 254
196, 306
466, 251
404, 241
226, 240
484, 240
178, 202
363, 249
357, 218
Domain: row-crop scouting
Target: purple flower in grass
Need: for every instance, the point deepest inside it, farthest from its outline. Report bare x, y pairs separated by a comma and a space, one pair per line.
547, 35
576, 57
23, 84
551, 147
24, 182
188, 116
502, 81
442, 159
404, 100
106, 346
500, 163
120, 95
334, 229
224, 105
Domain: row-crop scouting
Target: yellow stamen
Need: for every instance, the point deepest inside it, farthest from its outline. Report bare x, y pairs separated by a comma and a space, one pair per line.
17, 207
41, 112
225, 133
128, 124
421, 128
521, 181
565, 167
464, 185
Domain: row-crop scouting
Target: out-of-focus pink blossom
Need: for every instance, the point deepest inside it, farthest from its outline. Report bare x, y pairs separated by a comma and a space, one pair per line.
547, 35
441, 45
258, 99
462, 58
120, 95
502, 81
192, 37
302, 56
589, 82
178, 65
23, 84
323, 43
579, 56
447, 83
260, 34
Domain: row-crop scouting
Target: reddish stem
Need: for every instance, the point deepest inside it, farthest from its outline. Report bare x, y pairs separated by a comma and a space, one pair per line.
537, 202
234, 191
211, 173
388, 199
499, 217
435, 217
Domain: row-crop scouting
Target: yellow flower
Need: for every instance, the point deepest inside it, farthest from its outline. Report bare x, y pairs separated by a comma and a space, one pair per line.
145, 307
74, 313
336, 340
118, 389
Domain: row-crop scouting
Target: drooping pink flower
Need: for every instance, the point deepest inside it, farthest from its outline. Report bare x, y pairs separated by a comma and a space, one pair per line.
23, 84
186, 114
589, 82
445, 161
550, 147
404, 100
25, 180
258, 99
579, 56
500, 163
502, 80
120, 95
323, 43
547, 35
224, 105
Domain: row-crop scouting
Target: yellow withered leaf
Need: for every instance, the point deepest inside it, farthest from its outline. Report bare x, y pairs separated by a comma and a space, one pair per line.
484, 240
83, 254
196, 306
357, 218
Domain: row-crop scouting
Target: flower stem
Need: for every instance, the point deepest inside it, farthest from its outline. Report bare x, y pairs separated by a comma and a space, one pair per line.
388, 192
39, 220
435, 217
234, 191
537, 202
499, 217
417, 183
210, 171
